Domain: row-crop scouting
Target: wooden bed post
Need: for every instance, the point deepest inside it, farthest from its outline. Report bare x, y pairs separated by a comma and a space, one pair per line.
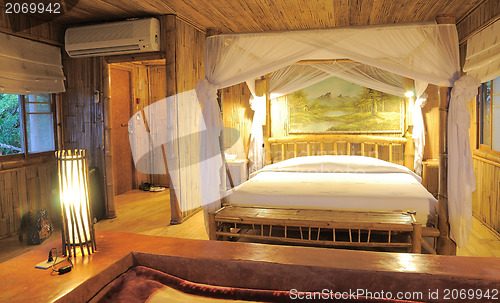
445, 246
212, 227
267, 129
409, 153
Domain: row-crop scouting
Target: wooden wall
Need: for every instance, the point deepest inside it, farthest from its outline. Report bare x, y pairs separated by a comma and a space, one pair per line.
83, 116
27, 188
237, 114
15, 24
28, 183
483, 15
486, 198
184, 55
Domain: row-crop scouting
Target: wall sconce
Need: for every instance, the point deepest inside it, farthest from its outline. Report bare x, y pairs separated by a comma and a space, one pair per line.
78, 228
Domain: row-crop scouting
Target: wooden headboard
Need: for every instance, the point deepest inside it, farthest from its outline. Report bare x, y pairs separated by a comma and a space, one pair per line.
391, 149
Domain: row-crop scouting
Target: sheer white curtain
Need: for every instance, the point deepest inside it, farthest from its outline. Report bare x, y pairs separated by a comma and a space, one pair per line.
461, 178
256, 152
418, 133
294, 77
365, 75
426, 52
423, 52
212, 173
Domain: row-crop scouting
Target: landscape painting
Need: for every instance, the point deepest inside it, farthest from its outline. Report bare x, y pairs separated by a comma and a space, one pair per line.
337, 106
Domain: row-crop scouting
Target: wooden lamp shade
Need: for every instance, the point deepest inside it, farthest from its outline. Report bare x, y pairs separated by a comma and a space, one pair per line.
78, 228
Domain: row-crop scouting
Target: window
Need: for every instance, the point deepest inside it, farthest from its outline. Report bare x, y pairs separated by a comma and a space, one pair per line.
26, 124
489, 115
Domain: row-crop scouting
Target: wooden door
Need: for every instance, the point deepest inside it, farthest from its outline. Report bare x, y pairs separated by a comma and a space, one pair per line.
121, 100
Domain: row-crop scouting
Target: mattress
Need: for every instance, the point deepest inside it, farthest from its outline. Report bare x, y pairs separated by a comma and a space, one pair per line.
337, 182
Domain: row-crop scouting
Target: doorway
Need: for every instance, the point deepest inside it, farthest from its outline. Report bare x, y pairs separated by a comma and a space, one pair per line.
121, 100
133, 86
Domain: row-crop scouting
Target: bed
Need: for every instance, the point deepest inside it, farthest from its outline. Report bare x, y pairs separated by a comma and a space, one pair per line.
322, 187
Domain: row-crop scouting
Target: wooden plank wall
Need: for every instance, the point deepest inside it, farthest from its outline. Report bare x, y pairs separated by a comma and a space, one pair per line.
483, 15
28, 183
184, 47
189, 65
486, 198
27, 188
237, 114
47, 32
82, 116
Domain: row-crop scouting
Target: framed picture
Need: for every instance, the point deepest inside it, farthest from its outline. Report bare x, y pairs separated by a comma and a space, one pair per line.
338, 106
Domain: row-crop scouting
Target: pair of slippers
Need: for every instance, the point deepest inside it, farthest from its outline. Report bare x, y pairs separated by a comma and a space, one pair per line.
146, 186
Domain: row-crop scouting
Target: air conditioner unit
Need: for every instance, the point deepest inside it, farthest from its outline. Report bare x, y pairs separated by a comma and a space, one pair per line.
115, 38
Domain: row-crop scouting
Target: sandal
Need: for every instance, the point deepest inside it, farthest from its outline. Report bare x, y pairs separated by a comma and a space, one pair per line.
156, 189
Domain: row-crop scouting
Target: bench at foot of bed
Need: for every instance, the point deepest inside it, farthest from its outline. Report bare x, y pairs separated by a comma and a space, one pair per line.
394, 231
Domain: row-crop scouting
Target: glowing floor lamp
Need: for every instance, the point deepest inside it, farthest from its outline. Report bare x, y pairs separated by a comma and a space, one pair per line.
78, 228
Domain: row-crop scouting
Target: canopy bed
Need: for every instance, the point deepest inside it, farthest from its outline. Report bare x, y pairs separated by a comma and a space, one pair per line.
331, 197
378, 57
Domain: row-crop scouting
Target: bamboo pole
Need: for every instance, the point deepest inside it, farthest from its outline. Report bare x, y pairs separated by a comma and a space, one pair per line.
416, 238
168, 31
445, 246
390, 152
267, 133
108, 153
89, 209
409, 154
212, 226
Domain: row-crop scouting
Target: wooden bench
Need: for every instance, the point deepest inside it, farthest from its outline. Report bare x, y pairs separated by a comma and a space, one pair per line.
320, 227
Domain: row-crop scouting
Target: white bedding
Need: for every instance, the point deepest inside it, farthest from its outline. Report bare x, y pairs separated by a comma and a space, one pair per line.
337, 182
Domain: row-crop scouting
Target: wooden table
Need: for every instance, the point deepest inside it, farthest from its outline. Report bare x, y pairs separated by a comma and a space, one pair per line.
331, 228
246, 265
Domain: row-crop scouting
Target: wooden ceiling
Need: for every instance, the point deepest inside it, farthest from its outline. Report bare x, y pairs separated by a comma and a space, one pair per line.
266, 15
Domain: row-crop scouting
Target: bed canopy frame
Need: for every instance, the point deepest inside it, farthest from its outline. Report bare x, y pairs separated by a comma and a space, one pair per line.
375, 56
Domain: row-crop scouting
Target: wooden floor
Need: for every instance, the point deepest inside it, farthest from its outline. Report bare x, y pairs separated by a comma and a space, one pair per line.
149, 214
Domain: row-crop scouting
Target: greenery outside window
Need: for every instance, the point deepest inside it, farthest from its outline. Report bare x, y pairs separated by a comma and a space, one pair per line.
26, 124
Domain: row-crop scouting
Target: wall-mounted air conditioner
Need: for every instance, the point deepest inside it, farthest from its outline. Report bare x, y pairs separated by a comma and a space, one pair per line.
124, 37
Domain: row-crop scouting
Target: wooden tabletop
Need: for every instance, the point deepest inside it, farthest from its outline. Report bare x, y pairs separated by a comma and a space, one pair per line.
209, 261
